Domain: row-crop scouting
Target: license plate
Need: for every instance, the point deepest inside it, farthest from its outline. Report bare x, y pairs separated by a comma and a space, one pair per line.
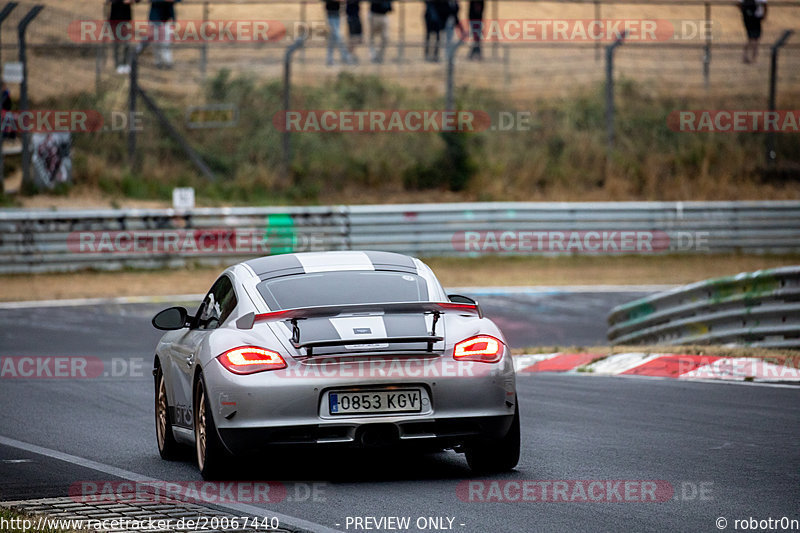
399, 401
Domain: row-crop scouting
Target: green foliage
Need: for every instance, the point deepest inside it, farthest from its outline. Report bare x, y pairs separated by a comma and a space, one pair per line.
562, 154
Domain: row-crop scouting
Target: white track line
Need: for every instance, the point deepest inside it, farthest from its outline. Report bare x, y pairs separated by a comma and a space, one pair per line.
76, 302
291, 521
539, 289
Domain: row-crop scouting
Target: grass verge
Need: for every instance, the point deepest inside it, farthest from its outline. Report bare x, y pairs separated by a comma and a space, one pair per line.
452, 272
562, 156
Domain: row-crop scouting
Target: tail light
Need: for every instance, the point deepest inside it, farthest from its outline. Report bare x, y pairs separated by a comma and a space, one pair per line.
481, 349
251, 359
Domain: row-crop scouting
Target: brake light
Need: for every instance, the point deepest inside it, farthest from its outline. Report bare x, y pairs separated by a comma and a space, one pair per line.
481, 349
251, 359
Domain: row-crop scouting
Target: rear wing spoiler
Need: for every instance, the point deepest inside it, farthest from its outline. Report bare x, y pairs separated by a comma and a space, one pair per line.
294, 315
437, 308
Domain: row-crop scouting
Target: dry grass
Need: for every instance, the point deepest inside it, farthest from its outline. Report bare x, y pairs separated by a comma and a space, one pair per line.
554, 71
453, 272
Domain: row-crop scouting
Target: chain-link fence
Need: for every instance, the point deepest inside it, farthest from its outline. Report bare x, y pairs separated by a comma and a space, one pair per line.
531, 51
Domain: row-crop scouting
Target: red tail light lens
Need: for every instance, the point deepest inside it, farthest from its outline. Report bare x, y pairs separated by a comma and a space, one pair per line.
251, 359
481, 349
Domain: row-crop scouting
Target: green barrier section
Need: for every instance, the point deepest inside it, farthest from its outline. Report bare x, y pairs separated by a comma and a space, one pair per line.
280, 234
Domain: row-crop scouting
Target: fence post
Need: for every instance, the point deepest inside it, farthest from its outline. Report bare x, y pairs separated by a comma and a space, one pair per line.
401, 32
452, 48
610, 89
23, 97
598, 46
495, 17
707, 48
6, 11
306, 28
204, 46
133, 87
287, 102
773, 81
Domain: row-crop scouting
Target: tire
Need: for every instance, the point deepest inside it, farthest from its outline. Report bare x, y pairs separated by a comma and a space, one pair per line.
209, 451
167, 446
496, 455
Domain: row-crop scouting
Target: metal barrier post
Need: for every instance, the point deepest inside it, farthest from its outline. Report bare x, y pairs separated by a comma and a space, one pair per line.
287, 98
773, 80
6, 11
610, 89
23, 98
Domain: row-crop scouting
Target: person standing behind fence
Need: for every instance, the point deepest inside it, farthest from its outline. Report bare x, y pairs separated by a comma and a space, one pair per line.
333, 11
379, 28
120, 18
162, 17
753, 13
476, 28
355, 29
448, 13
433, 28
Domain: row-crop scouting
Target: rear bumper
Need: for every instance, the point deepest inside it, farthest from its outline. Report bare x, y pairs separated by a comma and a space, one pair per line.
430, 433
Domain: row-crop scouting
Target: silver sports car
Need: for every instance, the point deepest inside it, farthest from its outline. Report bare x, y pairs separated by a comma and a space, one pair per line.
359, 349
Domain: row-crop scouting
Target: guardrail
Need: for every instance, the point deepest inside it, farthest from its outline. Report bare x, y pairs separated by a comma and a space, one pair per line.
46, 241
759, 309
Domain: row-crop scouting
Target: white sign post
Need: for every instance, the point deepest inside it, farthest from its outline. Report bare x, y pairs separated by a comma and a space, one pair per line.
183, 198
13, 73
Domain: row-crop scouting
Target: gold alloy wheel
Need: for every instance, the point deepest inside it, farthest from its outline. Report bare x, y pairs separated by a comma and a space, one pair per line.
161, 413
200, 427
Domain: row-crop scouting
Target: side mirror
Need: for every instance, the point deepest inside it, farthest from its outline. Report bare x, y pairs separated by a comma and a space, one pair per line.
461, 299
171, 319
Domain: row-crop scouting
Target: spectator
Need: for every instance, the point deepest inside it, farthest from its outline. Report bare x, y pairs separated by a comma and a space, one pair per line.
448, 14
333, 11
120, 19
433, 27
162, 17
476, 28
9, 122
355, 30
379, 27
753, 13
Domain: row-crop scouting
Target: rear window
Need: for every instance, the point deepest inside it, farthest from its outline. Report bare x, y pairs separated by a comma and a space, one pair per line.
341, 288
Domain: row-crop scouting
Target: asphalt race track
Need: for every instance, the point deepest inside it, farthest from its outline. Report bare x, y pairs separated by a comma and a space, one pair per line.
724, 450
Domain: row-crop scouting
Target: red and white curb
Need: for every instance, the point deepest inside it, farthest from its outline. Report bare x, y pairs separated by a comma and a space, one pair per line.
702, 367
